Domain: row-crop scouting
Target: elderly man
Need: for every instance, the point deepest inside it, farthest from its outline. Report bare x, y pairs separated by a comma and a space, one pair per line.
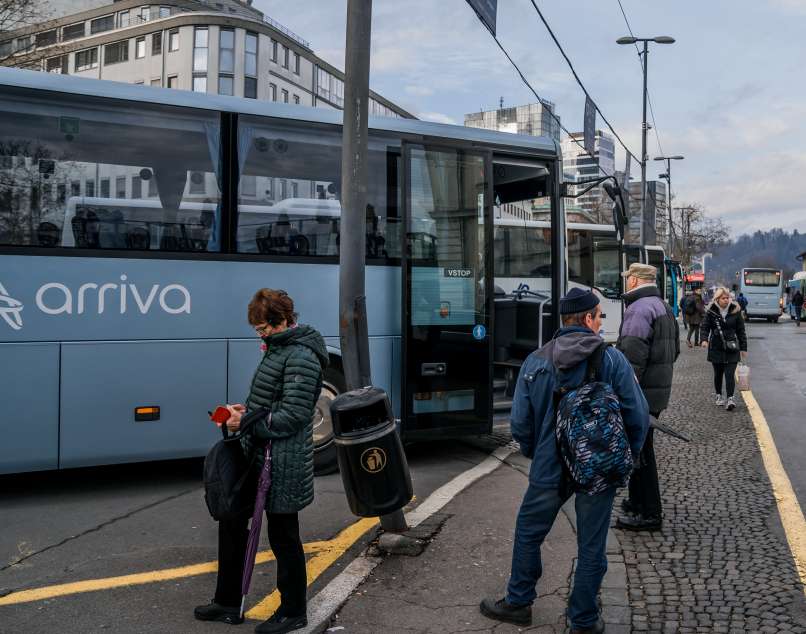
563, 363
650, 339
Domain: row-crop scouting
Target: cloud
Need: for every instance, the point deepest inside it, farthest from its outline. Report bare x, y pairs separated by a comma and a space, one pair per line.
794, 6
419, 91
438, 117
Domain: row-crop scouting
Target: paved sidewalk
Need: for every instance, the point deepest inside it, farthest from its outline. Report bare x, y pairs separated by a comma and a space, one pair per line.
720, 564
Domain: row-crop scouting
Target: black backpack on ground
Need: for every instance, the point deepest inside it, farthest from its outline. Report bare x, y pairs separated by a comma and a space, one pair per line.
229, 491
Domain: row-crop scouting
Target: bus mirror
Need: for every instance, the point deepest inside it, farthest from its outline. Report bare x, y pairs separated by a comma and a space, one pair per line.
619, 216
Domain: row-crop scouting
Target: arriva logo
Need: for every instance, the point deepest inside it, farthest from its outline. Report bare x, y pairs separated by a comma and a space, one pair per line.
10, 309
55, 298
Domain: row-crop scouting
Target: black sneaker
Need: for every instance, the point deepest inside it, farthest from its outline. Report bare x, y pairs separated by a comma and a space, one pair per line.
215, 612
627, 506
635, 522
502, 611
280, 623
598, 628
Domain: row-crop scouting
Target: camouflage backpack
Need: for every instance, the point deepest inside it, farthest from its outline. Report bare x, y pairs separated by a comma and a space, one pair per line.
591, 439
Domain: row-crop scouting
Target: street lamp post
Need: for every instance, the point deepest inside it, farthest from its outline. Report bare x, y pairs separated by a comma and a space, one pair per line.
662, 39
668, 177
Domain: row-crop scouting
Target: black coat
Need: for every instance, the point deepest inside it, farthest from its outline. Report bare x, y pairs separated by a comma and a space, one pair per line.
732, 328
797, 299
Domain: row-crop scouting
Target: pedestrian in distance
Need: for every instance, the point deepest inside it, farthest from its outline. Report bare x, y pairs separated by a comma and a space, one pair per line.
797, 304
650, 339
563, 363
723, 333
742, 301
287, 383
694, 311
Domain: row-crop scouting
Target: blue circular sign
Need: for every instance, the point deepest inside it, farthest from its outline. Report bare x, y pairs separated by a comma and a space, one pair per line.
479, 332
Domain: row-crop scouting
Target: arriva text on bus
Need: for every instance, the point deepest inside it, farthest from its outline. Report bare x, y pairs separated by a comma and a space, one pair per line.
55, 298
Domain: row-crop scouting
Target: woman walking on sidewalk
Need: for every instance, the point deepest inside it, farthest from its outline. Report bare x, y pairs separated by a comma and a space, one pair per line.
723, 333
287, 383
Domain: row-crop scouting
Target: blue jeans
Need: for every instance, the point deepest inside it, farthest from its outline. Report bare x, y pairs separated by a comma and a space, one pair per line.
535, 518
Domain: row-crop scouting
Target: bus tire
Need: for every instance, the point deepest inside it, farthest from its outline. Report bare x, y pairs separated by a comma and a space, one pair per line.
324, 447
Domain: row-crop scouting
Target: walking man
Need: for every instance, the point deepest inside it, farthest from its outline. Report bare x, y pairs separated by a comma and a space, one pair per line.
694, 311
650, 339
797, 303
563, 362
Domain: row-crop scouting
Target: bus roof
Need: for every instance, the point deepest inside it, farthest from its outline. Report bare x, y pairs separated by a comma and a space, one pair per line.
72, 85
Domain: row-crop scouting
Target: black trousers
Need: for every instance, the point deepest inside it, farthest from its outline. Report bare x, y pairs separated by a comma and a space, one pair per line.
644, 489
694, 330
286, 545
727, 370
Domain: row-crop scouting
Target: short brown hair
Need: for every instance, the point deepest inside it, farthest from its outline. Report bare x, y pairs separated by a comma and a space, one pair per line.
578, 319
271, 307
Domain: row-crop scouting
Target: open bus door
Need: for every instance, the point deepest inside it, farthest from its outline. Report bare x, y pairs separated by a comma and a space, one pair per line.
447, 293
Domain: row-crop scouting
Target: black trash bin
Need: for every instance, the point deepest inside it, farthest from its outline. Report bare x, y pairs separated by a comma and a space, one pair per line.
371, 460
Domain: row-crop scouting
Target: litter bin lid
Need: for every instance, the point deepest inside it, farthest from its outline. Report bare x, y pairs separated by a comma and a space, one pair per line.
360, 410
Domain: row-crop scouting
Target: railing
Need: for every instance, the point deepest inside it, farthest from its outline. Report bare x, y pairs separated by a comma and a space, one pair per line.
287, 32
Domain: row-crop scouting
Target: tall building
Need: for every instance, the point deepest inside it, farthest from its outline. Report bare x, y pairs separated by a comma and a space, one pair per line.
584, 167
534, 119
224, 47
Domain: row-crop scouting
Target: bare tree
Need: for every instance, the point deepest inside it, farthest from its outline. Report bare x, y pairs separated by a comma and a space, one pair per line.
16, 15
696, 232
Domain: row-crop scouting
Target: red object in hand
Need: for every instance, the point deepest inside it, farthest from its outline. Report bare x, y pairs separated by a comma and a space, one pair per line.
220, 416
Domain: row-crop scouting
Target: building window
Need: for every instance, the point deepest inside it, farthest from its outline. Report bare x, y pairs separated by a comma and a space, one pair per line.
284, 92
200, 83
152, 187
89, 188
145, 14
104, 188
296, 99
250, 87
273, 92
294, 189
250, 55
286, 54
156, 43
120, 187
225, 85
46, 38
296, 63
165, 12
156, 82
124, 19
72, 32
61, 193
274, 51
75, 188
200, 50
116, 52
248, 186
173, 40
137, 187
24, 43
283, 189
140, 47
99, 25
87, 59
173, 81
57, 64
6, 48
226, 43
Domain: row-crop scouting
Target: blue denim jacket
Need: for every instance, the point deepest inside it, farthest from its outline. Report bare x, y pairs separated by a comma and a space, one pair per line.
563, 362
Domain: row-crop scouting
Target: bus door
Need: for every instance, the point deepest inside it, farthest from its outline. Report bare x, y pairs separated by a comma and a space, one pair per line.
447, 292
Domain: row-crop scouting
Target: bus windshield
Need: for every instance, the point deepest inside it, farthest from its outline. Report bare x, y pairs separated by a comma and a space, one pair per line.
762, 277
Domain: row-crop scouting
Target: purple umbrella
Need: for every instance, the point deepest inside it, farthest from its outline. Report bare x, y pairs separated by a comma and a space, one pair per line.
263, 486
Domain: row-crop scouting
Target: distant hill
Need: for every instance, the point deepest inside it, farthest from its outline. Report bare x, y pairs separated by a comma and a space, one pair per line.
775, 248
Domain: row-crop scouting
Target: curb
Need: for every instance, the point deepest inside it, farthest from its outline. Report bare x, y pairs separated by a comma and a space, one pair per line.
335, 594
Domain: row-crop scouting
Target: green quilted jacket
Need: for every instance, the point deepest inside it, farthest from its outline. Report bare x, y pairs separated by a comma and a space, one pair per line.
287, 382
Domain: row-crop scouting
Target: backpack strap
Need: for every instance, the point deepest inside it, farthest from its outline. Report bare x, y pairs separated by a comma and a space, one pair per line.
594, 372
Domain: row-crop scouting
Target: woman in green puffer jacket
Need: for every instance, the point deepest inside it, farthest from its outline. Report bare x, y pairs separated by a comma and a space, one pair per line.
287, 383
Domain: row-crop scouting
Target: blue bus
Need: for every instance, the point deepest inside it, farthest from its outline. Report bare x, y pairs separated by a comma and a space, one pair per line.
764, 290
137, 222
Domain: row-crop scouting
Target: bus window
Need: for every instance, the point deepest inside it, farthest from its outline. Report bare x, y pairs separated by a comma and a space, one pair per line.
761, 278
108, 178
656, 258
580, 260
606, 270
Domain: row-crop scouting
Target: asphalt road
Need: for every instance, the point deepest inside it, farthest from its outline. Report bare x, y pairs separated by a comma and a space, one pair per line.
61, 528
777, 359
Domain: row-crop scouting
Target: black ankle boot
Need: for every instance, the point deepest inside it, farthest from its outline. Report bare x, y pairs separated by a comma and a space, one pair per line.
500, 610
221, 613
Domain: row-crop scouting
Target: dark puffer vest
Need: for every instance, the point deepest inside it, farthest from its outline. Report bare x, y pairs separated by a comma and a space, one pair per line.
287, 382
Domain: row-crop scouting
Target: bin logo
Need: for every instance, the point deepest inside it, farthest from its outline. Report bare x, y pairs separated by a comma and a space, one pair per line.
10, 309
373, 460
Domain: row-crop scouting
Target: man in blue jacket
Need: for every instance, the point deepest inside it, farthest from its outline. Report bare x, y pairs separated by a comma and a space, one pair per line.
562, 362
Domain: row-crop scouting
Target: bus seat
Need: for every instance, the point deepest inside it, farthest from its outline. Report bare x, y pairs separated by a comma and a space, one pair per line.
138, 238
48, 234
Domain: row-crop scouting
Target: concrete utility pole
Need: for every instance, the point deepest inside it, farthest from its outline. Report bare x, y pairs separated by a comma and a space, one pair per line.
353, 331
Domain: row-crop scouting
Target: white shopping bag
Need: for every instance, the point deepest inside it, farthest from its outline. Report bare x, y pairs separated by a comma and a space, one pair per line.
743, 376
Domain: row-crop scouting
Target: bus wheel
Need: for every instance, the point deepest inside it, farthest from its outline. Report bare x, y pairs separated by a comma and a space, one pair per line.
324, 447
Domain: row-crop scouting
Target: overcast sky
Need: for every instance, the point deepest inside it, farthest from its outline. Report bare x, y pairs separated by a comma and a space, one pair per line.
730, 95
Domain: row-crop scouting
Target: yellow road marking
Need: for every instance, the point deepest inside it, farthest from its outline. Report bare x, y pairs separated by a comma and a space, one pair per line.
153, 576
317, 564
788, 507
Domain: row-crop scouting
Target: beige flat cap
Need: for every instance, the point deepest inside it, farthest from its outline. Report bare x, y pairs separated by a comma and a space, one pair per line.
641, 271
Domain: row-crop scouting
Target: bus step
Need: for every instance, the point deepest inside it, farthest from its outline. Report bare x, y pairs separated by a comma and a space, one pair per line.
502, 405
